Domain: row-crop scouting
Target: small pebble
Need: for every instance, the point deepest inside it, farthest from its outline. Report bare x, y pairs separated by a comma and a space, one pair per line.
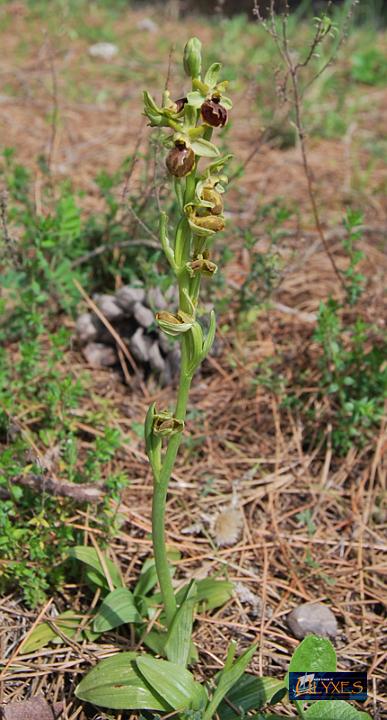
86, 327
156, 361
312, 618
127, 296
108, 306
140, 345
104, 50
143, 315
156, 299
148, 25
99, 355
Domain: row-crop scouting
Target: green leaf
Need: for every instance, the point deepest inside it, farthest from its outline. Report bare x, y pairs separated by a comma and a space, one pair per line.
269, 717
314, 654
212, 74
227, 678
96, 572
173, 682
178, 644
251, 693
210, 593
116, 683
146, 581
67, 622
117, 609
204, 148
334, 710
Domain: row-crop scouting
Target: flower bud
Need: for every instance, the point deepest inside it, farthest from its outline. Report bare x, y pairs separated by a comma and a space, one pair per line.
213, 113
180, 160
211, 195
165, 424
209, 222
193, 58
174, 325
201, 265
180, 104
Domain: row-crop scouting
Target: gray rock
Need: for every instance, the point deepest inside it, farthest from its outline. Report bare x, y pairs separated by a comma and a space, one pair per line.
104, 50
143, 315
312, 618
140, 345
173, 358
127, 296
87, 328
148, 25
164, 343
156, 299
99, 355
108, 306
172, 294
156, 361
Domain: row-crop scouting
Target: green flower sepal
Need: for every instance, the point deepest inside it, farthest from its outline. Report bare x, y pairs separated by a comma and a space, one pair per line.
203, 225
174, 325
200, 346
166, 116
165, 424
209, 88
191, 140
201, 264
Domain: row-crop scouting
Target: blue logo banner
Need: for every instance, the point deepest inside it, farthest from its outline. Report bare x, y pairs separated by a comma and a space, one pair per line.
308, 685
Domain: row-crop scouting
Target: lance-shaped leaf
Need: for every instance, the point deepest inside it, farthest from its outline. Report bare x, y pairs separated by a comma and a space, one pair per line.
67, 623
334, 710
117, 609
95, 572
204, 148
314, 654
227, 678
176, 684
117, 684
250, 693
178, 643
210, 593
212, 74
148, 575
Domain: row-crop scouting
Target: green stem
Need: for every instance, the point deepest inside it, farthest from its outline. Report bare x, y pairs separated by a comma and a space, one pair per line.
182, 252
161, 490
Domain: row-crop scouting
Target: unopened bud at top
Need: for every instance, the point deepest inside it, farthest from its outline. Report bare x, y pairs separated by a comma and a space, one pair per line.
193, 58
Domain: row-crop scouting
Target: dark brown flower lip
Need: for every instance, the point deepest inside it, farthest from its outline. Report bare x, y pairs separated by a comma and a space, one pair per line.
213, 113
180, 160
180, 102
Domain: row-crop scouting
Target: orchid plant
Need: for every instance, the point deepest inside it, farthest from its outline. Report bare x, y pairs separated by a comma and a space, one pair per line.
161, 681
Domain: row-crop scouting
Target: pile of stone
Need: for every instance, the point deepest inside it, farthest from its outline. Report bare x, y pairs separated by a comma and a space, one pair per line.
131, 312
